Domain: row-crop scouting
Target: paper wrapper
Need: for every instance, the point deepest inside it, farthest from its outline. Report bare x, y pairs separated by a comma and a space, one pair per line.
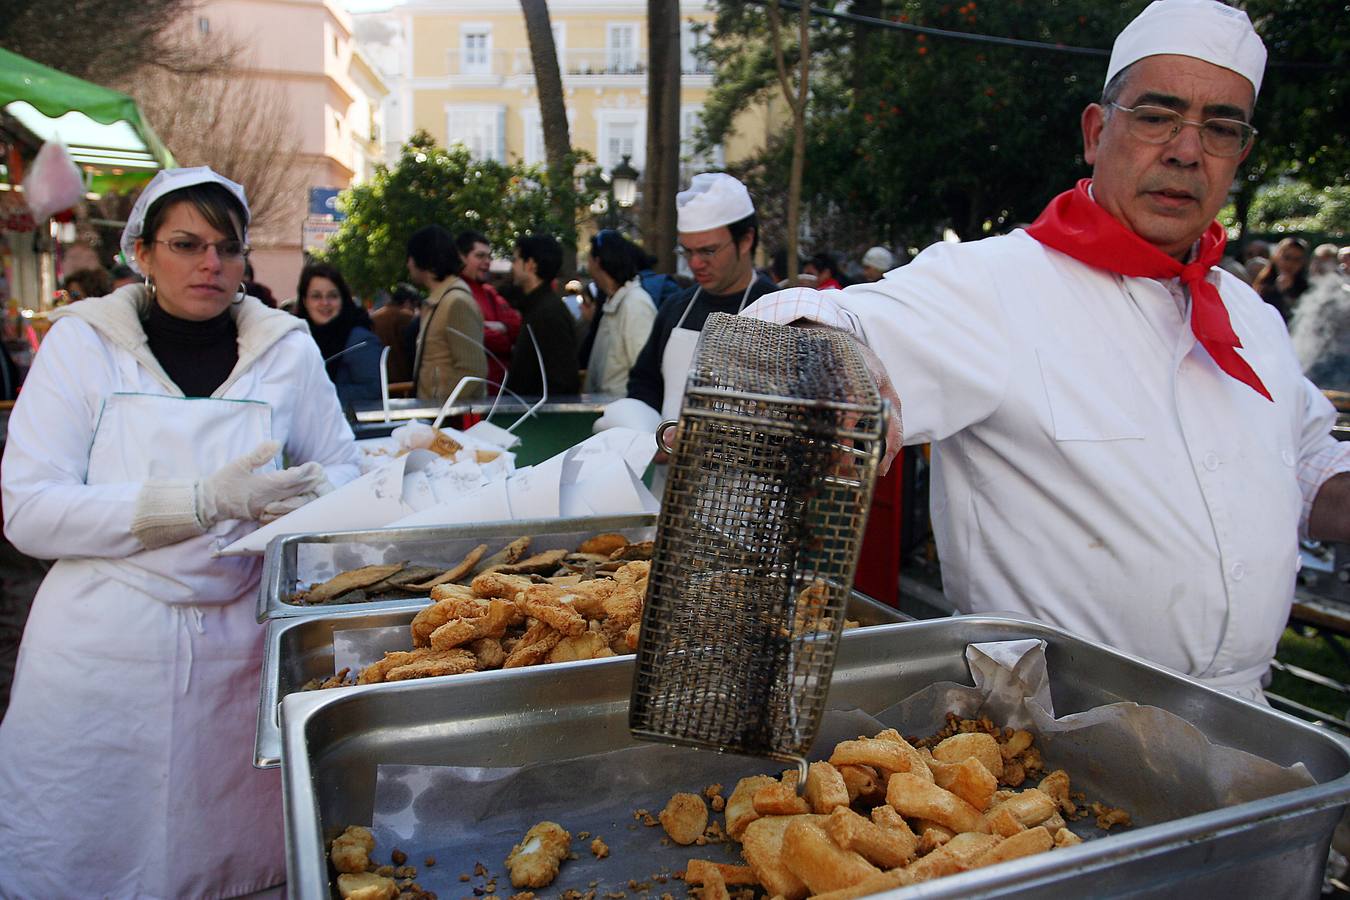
1148, 761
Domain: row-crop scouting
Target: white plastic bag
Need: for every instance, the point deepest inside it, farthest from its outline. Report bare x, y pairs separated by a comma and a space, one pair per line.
53, 183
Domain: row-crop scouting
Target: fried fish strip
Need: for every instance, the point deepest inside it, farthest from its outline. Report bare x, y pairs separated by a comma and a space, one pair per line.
455, 572
495, 619
376, 671
348, 581
603, 544
488, 652
586, 597
623, 606
429, 618
533, 646
910, 795
433, 663
820, 863
534, 862
554, 613
587, 645
540, 564
635, 572
495, 584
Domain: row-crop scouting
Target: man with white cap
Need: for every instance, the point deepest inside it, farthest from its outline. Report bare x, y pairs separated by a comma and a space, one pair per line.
718, 233
876, 262
1124, 443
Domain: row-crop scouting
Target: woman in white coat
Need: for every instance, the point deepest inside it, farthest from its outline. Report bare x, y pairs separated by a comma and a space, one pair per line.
148, 434
628, 314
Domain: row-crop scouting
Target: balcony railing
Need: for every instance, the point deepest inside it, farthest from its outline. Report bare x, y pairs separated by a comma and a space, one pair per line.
579, 61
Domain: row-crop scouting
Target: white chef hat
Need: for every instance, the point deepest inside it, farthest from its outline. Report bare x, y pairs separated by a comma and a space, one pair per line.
1204, 29
879, 258
166, 182
714, 199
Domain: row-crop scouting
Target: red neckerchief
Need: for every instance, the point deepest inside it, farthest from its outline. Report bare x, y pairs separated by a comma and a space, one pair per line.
1076, 225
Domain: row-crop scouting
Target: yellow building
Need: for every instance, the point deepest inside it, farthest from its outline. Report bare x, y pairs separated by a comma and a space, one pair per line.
462, 72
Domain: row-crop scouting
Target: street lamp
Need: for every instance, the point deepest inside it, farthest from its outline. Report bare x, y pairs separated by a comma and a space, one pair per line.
624, 181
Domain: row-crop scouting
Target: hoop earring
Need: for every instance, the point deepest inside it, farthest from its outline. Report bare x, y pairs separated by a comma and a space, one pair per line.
239, 297
150, 289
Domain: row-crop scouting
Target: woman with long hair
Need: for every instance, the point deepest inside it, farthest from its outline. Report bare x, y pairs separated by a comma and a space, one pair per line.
343, 331
1285, 277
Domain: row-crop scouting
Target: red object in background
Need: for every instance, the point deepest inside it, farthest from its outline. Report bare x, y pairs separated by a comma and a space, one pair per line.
879, 563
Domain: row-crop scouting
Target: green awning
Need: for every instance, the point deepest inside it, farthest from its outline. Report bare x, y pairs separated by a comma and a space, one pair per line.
103, 129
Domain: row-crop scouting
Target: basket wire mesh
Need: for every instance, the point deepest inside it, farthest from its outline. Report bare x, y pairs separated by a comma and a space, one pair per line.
758, 538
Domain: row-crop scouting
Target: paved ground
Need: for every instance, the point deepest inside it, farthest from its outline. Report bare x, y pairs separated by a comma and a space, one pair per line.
19, 580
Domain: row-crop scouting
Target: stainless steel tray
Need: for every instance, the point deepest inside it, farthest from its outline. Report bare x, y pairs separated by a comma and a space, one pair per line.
427, 545
299, 648
333, 742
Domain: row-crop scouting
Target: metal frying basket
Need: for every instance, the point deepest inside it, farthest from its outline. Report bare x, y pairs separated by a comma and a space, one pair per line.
758, 540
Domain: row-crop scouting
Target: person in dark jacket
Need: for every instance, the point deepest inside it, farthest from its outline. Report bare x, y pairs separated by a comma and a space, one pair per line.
349, 347
538, 257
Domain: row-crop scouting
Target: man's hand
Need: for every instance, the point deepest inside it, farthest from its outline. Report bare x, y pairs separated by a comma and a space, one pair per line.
1330, 516
894, 431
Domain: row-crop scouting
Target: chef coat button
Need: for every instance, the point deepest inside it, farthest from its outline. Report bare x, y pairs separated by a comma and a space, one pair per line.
1237, 571
1287, 456
1211, 461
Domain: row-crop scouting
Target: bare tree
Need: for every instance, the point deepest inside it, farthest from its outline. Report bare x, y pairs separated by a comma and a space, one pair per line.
552, 116
104, 41
797, 103
662, 178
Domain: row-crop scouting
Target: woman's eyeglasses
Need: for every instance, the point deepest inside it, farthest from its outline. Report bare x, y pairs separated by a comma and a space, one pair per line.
226, 250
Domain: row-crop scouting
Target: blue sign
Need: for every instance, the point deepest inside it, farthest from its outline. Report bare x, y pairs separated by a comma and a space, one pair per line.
323, 202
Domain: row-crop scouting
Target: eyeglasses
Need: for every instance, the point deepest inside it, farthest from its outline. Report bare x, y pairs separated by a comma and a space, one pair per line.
1158, 125
228, 251
704, 253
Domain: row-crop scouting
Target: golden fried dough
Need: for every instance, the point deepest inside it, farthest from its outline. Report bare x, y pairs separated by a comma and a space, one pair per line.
559, 616
1056, 786
1030, 807
886, 848
376, 671
825, 788
453, 592
912, 796
366, 886
1025, 843
433, 663
887, 757
969, 779
488, 652
957, 855
495, 584
779, 798
533, 647
981, 746
493, 621
587, 645
762, 847
535, 860
603, 544
351, 850
697, 870
623, 606
437, 614
820, 863
635, 572
684, 818
740, 809
862, 783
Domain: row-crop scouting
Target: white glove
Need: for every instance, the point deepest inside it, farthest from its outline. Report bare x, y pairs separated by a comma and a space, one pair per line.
237, 492
275, 510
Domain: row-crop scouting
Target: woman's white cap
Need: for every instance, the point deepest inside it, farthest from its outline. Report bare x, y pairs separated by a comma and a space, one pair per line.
714, 199
166, 182
1203, 29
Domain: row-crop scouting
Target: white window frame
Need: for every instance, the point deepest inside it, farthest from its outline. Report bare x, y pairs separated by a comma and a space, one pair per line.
716, 159
605, 120
532, 149
614, 62
688, 44
491, 116
469, 66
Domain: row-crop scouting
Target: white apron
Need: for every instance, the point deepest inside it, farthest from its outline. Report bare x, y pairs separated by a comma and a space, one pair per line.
125, 759
676, 361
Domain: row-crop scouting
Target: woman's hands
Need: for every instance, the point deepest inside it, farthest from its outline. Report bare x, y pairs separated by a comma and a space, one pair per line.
238, 492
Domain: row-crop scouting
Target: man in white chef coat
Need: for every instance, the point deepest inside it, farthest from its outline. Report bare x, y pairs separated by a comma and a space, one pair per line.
1124, 443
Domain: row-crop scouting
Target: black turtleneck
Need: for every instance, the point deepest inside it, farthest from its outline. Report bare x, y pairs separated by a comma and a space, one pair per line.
198, 356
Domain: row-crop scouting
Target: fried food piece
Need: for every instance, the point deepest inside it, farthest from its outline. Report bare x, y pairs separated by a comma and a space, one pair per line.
1002, 822
740, 809
825, 788
762, 847
714, 887
1024, 843
631, 636
981, 746
376, 671
1030, 807
495, 584
366, 886
560, 616
492, 623
544, 563
533, 647
623, 606
635, 572
1017, 743
811, 608
1056, 786
1014, 773
599, 849
697, 871
453, 592
1066, 838
779, 798
1108, 816
535, 860
603, 544
873, 884
931, 835
434, 663
887, 753
429, 618
586, 597
455, 572
337, 679
957, 855
912, 796
820, 863
488, 652
639, 550
351, 850
587, 645
684, 818
886, 848
503, 557
968, 779
348, 581
862, 783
